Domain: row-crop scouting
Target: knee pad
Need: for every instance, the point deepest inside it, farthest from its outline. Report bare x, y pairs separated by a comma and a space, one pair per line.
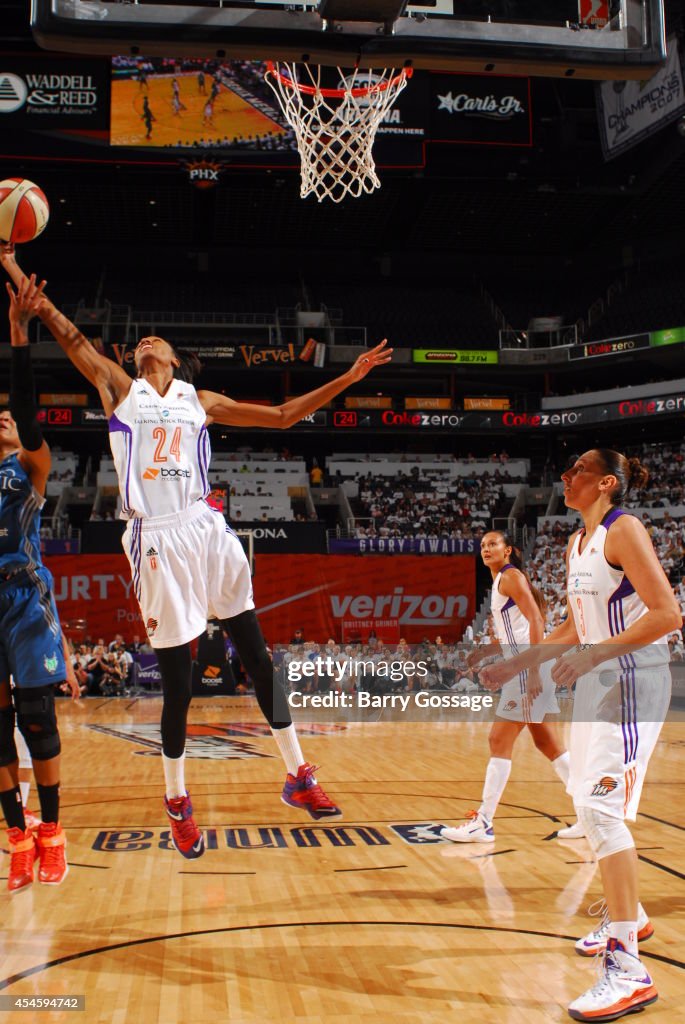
605, 834
23, 751
8, 749
37, 721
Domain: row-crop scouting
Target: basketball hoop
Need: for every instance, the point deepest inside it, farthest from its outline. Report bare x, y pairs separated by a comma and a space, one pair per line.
335, 128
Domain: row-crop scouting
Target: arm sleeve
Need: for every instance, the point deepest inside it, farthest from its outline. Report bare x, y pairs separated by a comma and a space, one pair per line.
23, 399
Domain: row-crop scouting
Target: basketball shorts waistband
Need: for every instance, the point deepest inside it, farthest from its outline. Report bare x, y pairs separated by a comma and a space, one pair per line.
172, 520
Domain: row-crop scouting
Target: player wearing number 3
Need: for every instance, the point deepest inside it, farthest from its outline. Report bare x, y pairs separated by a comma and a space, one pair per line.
614, 649
187, 564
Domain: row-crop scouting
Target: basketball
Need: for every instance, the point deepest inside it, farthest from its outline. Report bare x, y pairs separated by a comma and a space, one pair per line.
24, 210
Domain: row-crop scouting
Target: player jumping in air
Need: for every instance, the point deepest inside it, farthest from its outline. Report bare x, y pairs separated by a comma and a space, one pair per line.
187, 564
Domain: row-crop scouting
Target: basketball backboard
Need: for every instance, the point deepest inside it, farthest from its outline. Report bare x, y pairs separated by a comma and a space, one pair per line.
618, 39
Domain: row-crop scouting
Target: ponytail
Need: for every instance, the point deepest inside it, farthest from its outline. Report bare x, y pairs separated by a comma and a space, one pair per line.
516, 560
630, 473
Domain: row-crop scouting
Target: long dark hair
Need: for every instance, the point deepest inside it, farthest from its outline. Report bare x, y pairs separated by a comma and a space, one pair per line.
516, 559
629, 472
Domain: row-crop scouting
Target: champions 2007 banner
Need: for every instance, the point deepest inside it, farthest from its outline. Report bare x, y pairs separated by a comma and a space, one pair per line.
327, 596
631, 111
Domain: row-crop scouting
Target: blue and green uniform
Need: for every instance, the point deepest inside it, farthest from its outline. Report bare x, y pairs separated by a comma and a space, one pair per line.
30, 632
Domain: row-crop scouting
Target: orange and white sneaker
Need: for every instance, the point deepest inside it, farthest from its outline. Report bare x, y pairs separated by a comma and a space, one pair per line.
52, 846
595, 942
23, 854
32, 819
304, 792
624, 987
476, 829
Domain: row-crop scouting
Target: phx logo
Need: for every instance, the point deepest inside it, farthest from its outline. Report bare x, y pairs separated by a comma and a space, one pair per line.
203, 174
605, 786
151, 626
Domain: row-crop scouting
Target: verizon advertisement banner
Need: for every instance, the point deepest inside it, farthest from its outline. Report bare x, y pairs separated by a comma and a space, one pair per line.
317, 594
314, 593
631, 111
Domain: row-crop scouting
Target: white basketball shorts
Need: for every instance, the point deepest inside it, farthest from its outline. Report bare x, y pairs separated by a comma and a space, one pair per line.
617, 718
187, 567
513, 708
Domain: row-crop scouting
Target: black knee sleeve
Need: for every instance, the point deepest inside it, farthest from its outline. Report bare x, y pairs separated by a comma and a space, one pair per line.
37, 721
245, 632
8, 748
176, 667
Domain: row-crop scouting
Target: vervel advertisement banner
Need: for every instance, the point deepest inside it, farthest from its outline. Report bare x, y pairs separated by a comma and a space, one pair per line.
315, 593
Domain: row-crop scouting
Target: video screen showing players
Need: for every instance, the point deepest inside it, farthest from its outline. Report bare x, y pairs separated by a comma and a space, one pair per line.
188, 103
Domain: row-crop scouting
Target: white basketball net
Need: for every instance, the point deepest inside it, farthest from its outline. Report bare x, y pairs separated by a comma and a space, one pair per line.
335, 128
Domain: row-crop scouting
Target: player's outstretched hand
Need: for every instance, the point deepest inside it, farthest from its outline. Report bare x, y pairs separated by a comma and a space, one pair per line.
6, 253
25, 303
377, 356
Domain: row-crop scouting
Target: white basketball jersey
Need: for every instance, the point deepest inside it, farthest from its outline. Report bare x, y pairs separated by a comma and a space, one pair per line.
512, 628
602, 599
161, 449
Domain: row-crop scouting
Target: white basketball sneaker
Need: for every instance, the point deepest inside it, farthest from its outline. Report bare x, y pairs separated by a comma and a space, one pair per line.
572, 832
476, 829
596, 941
624, 987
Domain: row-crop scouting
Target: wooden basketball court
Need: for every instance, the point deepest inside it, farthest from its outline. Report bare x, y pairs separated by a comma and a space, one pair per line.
366, 919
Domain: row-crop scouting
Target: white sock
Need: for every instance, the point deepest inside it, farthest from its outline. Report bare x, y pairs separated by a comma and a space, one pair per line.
289, 746
174, 776
24, 788
642, 917
626, 933
496, 777
561, 766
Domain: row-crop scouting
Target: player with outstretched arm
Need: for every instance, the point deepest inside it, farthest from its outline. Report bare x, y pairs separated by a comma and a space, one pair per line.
187, 564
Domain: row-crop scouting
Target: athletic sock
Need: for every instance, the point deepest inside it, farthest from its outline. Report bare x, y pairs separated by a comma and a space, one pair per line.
289, 747
626, 933
561, 766
174, 776
496, 777
49, 802
10, 800
642, 916
25, 788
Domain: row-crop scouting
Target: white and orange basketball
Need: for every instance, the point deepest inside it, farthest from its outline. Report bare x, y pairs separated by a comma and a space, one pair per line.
24, 210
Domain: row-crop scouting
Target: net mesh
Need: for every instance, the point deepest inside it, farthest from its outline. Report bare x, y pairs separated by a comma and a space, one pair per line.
335, 128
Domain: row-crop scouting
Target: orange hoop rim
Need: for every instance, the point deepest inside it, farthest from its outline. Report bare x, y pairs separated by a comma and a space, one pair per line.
337, 94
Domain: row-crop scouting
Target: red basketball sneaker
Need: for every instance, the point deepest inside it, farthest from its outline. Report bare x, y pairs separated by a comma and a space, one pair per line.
185, 835
304, 792
23, 854
52, 848
32, 819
